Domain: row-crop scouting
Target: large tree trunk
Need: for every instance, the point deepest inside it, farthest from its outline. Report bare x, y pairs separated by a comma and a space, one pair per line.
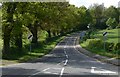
8, 28
33, 30
54, 34
35, 38
18, 41
6, 44
49, 33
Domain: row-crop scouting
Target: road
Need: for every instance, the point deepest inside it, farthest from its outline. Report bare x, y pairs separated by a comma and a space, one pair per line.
63, 61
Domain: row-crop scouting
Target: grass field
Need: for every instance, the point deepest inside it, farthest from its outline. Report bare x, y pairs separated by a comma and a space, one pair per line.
112, 37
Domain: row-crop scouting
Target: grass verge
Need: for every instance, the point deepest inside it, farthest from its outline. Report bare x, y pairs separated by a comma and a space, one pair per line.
101, 52
112, 37
37, 52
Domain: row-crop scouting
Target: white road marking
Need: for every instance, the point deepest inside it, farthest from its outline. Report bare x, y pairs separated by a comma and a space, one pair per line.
51, 73
101, 72
56, 68
60, 63
38, 72
46, 69
65, 52
65, 62
34, 74
61, 73
47, 72
67, 56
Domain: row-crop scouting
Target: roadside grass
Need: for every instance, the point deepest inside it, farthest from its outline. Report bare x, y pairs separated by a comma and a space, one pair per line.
41, 50
112, 37
101, 52
37, 52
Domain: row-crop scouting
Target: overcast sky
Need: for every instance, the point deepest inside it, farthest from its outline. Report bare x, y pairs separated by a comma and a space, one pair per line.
87, 3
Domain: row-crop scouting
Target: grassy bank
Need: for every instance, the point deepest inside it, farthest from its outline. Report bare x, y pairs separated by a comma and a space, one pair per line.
37, 52
41, 50
112, 36
96, 45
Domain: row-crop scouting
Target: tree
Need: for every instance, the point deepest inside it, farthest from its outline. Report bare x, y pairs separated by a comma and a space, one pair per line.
97, 12
112, 12
84, 17
112, 23
8, 10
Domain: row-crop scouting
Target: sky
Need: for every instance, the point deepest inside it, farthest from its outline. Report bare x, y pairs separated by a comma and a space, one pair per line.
87, 3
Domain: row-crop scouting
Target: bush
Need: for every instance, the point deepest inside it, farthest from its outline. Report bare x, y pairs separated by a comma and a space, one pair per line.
96, 43
117, 46
109, 46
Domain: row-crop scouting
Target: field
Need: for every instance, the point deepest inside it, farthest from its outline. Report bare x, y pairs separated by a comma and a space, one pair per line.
113, 35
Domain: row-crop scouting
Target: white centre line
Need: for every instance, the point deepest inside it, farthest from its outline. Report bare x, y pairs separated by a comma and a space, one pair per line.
67, 56
65, 52
65, 62
61, 73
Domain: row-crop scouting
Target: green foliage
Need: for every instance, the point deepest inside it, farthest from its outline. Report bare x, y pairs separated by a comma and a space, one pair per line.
112, 12
97, 13
117, 46
96, 45
109, 46
112, 23
118, 26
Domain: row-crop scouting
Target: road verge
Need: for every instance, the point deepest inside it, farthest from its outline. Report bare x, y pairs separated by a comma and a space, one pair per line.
96, 56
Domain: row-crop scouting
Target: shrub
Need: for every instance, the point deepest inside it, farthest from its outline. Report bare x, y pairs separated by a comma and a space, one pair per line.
96, 43
117, 46
109, 46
